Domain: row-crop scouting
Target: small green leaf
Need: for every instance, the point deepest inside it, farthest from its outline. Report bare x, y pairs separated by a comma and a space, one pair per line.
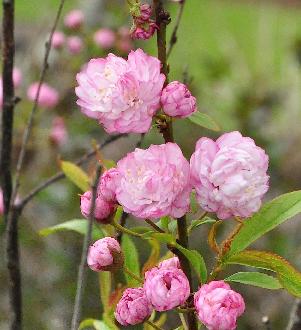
96, 324
288, 276
163, 223
256, 279
131, 259
78, 225
76, 175
204, 120
161, 237
109, 163
270, 216
199, 222
196, 261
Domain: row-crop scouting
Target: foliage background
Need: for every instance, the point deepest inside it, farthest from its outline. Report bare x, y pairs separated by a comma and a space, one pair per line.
243, 59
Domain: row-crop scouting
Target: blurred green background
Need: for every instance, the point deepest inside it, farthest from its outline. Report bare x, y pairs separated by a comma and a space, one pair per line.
242, 60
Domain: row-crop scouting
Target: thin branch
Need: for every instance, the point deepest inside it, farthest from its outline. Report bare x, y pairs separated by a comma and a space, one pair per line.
295, 316
29, 125
60, 175
152, 224
174, 37
81, 278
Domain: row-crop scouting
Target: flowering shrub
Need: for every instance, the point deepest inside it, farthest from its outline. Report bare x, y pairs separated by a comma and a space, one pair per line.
225, 179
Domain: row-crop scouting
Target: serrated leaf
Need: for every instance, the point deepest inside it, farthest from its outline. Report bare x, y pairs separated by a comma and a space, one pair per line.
76, 175
131, 259
77, 225
198, 222
196, 261
256, 279
288, 276
204, 120
270, 216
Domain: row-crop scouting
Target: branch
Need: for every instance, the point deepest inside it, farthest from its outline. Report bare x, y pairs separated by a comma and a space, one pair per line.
29, 125
81, 277
61, 175
295, 316
162, 19
174, 37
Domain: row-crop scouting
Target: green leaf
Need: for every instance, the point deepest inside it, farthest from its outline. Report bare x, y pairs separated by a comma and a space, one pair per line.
78, 225
131, 259
256, 279
288, 276
199, 222
109, 163
196, 261
204, 120
96, 324
163, 223
270, 216
105, 284
76, 175
161, 237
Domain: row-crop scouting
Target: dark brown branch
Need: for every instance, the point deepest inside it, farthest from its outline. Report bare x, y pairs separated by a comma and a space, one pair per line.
174, 37
60, 175
295, 316
81, 278
29, 125
162, 19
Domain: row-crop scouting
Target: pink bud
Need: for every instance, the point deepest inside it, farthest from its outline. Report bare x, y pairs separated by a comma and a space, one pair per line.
48, 97
145, 13
104, 38
58, 40
74, 19
170, 263
17, 77
133, 307
1, 202
105, 255
218, 306
107, 185
58, 134
75, 45
144, 31
177, 100
103, 209
166, 288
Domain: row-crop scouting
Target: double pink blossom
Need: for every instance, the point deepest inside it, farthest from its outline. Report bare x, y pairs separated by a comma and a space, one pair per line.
133, 307
153, 183
48, 97
229, 175
218, 306
105, 255
122, 94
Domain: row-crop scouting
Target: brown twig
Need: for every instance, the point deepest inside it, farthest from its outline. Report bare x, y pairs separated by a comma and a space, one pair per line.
295, 316
29, 125
174, 38
152, 224
81, 277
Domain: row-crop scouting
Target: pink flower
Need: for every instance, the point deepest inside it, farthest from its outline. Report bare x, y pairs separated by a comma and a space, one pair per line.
58, 134
122, 95
102, 210
170, 263
74, 19
107, 185
145, 13
144, 31
166, 288
58, 39
133, 307
218, 306
105, 255
229, 175
177, 100
48, 97
104, 38
1, 202
17, 79
154, 182
75, 45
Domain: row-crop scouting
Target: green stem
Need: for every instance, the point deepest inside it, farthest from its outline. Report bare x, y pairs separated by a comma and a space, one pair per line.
137, 278
125, 230
153, 325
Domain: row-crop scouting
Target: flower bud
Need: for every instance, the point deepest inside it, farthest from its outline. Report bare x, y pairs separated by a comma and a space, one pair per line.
218, 306
48, 97
104, 38
58, 134
105, 255
102, 209
74, 19
177, 100
75, 45
133, 307
145, 13
58, 40
166, 288
144, 31
107, 185
170, 263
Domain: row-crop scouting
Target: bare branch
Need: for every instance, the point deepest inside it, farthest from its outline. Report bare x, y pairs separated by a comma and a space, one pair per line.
29, 125
81, 278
